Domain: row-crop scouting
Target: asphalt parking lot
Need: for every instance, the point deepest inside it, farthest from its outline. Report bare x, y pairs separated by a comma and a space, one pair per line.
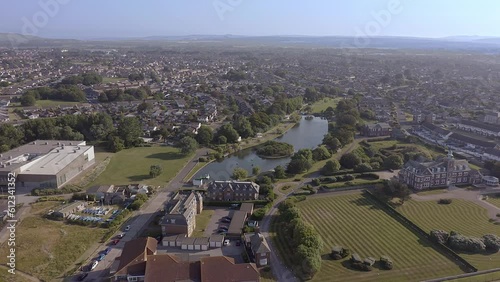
214, 223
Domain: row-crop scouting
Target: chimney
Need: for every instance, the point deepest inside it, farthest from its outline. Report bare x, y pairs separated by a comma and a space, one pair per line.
74, 151
58, 143
46, 143
34, 142
70, 143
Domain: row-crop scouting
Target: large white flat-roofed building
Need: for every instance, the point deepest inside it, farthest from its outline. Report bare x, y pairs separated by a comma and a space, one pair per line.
46, 163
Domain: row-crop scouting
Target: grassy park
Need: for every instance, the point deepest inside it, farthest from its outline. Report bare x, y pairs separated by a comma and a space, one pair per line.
54, 103
132, 166
57, 245
462, 216
323, 104
359, 223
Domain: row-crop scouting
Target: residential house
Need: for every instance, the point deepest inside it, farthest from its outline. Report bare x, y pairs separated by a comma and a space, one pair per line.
257, 244
180, 214
139, 261
100, 191
440, 173
479, 128
232, 191
377, 129
138, 189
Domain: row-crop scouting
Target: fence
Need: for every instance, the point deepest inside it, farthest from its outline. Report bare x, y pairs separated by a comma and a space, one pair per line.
465, 265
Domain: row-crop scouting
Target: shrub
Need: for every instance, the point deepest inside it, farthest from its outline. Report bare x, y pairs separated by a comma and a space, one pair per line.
386, 262
362, 167
316, 182
348, 177
492, 242
444, 201
468, 244
439, 236
361, 266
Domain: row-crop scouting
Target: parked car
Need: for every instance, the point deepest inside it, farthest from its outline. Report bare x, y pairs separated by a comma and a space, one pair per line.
105, 252
225, 220
115, 241
101, 257
226, 242
227, 217
83, 276
121, 235
238, 243
94, 265
127, 228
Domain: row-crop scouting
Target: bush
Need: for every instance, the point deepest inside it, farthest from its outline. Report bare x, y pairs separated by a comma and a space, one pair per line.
259, 214
362, 167
361, 266
492, 242
469, 244
444, 201
439, 236
316, 182
386, 262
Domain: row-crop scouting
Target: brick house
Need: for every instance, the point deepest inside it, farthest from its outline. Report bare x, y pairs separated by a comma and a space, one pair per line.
257, 244
377, 129
440, 173
180, 216
232, 191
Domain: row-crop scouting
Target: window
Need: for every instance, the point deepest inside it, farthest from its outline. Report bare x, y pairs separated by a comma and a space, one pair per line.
263, 261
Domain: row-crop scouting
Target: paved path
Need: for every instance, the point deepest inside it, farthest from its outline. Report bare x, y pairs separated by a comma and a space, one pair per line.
140, 219
458, 193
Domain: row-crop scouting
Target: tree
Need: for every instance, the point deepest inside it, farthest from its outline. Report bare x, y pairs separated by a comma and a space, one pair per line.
350, 160
362, 167
188, 145
115, 144
279, 172
143, 107
300, 162
330, 167
27, 100
332, 142
155, 171
243, 127
229, 132
256, 170
205, 135
239, 173
393, 162
321, 153
129, 130
222, 139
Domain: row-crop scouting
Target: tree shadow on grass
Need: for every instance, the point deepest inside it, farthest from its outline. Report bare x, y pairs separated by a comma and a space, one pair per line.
364, 201
136, 178
166, 156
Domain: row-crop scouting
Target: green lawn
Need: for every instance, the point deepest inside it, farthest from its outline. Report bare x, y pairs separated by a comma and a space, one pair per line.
195, 169
359, 223
494, 200
112, 79
462, 216
132, 166
490, 277
323, 104
53, 103
202, 221
7, 277
47, 248
432, 192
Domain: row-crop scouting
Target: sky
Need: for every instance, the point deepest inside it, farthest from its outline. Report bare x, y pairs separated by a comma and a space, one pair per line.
86, 19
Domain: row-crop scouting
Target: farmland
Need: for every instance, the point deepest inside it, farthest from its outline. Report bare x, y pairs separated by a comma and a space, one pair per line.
461, 216
358, 223
132, 166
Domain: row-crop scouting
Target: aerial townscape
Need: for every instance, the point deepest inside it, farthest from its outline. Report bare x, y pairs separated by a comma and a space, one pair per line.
212, 158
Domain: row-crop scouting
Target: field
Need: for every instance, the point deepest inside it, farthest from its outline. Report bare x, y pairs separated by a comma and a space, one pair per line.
53, 103
494, 200
132, 166
46, 249
323, 104
202, 220
462, 216
495, 276
358, 223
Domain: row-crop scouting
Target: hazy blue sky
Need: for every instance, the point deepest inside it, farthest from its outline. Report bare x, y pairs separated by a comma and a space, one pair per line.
119, 18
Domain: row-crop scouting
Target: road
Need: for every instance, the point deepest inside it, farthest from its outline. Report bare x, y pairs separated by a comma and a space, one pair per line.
140, 220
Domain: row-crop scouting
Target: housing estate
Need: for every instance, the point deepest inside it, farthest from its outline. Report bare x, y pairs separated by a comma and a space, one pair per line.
377, 129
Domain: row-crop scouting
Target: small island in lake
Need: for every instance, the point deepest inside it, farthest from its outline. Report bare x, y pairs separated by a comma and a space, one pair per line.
275, 150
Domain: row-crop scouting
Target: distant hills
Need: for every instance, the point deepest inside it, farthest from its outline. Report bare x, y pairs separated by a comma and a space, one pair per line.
474, 43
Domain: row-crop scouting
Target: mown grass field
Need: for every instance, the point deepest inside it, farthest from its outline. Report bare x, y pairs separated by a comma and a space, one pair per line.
490, 277
461, 216
45, 248
132, 166
358, 223
494, 200
54, 103
323, 104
